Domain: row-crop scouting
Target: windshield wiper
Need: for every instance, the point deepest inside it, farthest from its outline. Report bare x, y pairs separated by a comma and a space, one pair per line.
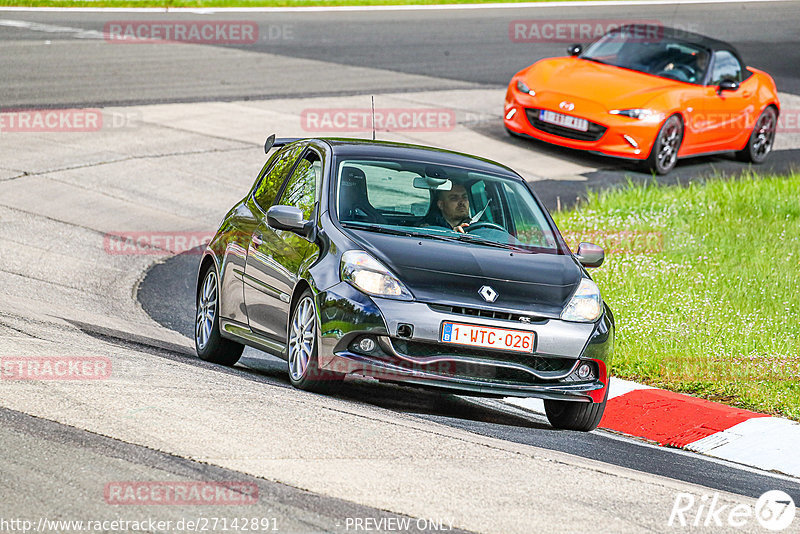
383, 230
471, 238
595, 60
455, 238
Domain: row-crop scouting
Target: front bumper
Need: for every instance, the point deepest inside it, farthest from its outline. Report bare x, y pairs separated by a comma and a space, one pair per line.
612, 142
550, 372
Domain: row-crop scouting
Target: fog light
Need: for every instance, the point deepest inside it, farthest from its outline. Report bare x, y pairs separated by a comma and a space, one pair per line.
405, 330
511, 113
584, 371
366, 344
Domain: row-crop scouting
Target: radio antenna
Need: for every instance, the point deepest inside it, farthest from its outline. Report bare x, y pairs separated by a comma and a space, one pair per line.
373, 117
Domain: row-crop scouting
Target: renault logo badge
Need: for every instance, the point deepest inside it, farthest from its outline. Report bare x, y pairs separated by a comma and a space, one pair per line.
488, 294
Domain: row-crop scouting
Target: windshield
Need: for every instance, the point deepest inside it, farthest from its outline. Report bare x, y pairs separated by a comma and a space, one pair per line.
424, 200
664, 57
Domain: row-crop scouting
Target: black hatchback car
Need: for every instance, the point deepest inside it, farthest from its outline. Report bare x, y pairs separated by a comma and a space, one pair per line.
409, 264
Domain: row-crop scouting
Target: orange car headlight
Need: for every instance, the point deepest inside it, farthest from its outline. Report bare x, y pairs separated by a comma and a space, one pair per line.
641, 114
522, 88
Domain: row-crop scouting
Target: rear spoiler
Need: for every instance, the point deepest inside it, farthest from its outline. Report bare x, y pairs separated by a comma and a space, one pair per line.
272, 142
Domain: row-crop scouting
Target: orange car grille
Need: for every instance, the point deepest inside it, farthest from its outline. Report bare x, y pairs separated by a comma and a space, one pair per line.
594, 132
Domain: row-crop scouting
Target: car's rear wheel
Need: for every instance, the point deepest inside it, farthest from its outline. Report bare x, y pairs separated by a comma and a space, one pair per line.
581, 416
304, 371
761, 139
664, 153
210, 345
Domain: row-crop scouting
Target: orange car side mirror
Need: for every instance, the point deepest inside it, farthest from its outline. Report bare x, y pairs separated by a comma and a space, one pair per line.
727, 85
575, 49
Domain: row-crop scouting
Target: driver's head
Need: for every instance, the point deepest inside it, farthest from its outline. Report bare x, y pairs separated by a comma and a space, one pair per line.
701, 60
454, 204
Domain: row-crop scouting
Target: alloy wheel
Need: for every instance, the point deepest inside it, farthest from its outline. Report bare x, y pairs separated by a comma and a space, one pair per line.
765, 135
206, 310
668, 143
301, 338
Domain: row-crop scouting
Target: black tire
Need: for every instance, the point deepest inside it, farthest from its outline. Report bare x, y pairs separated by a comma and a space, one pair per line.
208, 342
761, 139
303, 364
664, 152
581, 416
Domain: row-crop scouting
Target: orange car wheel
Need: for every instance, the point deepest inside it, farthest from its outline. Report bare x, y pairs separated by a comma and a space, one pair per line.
760, 143
664, 153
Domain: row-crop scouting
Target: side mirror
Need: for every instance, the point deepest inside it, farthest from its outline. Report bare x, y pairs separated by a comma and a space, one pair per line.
727, 85
575, 49
288, 218
590, 255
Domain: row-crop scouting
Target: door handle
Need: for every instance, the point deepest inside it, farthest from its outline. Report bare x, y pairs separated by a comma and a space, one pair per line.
257, 240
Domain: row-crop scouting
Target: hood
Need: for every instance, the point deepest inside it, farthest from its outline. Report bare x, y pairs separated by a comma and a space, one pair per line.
608, 86
441, 272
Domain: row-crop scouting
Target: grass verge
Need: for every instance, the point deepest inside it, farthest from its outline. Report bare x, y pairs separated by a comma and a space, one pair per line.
242, 3
704, 282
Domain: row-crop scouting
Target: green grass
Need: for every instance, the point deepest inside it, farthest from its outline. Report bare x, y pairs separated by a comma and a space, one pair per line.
241, 3
704, 282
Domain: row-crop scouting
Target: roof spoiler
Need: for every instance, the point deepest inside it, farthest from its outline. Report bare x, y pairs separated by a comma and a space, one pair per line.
272, 142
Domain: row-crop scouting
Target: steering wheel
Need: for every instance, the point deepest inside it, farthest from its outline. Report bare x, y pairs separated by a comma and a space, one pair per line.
690, 72
479, 225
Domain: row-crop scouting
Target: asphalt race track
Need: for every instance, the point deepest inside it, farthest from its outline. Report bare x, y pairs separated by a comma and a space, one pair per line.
167, 294
188, 145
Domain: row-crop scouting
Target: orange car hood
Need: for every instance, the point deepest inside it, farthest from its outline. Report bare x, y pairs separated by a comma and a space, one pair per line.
608, 86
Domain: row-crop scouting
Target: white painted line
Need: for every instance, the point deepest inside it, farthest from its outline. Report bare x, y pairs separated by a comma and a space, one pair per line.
528, 403
77, 33
620, 387
440, 7
768, 443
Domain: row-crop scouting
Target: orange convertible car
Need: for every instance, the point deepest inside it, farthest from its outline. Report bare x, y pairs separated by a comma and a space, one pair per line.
649, 96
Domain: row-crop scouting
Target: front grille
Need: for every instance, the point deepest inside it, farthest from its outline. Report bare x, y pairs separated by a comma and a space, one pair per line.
421, 349
491, 314
594, 133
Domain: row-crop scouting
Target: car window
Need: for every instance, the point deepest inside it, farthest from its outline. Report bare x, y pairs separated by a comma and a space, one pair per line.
529, 222
274, 178
420, 199
301, 189
663, 57
388, 190
726, 67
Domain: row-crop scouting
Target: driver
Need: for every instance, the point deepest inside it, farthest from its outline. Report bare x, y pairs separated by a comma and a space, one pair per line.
453, 208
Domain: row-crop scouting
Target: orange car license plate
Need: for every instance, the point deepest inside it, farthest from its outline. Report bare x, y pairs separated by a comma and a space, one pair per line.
488, 337
566, 121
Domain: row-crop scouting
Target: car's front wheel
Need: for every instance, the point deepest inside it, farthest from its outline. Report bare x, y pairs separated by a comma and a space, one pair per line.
761, 139
210, 345
664, 153
569, 415
304, 371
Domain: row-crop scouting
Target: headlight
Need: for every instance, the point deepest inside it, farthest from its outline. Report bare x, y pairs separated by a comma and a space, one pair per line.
370, 276
522, 88
586, 304
637, 113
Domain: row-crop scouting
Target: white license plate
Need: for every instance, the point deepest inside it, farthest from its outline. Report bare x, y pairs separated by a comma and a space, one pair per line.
488, 337
566, 121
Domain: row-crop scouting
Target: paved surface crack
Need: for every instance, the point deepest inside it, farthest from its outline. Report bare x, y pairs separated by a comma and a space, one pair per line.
129, 158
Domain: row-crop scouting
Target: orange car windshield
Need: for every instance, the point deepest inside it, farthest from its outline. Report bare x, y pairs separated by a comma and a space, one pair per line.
659, 56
